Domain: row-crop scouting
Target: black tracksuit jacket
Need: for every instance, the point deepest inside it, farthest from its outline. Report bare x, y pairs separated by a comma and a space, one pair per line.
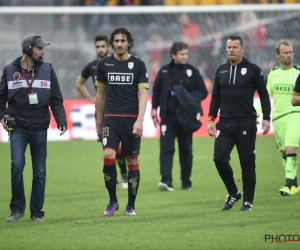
234, 89
172, 74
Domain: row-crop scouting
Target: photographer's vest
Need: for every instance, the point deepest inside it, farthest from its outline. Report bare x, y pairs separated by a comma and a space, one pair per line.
19, 88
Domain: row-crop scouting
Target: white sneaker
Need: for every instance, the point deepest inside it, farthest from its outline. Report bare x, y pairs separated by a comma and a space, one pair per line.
125, 185
124, 181
164, 187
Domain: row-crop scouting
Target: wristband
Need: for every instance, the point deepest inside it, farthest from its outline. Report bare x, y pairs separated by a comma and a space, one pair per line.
211, 118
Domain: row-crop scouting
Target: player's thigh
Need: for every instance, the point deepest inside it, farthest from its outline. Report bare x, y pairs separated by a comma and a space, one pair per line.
292, 133
110, 133
279, 126
130, 143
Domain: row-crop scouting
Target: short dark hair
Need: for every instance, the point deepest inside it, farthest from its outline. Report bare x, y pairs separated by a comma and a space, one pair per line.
178, 46
234, 38
101, 38
125, 32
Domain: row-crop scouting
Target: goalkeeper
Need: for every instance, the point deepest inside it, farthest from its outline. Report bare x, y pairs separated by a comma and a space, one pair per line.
286, 118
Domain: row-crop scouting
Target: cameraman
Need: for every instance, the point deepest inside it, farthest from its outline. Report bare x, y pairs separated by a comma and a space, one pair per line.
29, 86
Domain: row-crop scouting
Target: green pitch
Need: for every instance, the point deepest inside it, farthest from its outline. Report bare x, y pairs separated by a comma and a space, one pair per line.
76, 198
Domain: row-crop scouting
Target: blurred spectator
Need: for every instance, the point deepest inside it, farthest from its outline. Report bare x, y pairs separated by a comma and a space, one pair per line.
125, 2
157, 48
213, 49
254, 33
99, 2
190, 34
32, 3
97, 19
152, 2
278, 1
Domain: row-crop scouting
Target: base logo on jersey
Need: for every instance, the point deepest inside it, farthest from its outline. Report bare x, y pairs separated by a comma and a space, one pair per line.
283, 89
243, 71
130, 65
189, 72
120, 78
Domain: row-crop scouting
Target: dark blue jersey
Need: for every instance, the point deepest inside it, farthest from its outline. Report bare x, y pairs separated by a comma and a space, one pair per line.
122, 81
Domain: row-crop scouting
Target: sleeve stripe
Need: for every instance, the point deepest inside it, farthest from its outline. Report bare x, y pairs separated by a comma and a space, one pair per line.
99, 84
143, 85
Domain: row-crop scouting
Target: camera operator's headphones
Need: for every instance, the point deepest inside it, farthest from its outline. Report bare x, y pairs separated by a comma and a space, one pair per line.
29, 50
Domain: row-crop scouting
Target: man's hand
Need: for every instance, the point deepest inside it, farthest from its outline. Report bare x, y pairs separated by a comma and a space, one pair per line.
99, 131
138, 128
63, 129
211, 129
155, 121
3, 122
265, 126
154, 117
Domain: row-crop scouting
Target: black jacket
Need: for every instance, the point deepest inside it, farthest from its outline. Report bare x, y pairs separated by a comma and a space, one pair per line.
188, 113
174, 74
234, 90
13, 90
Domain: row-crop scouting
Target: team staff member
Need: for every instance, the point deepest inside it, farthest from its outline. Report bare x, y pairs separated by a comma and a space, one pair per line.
235, 84
296, 93
90, 70
177, 72
285, 117
30, 86
122, 84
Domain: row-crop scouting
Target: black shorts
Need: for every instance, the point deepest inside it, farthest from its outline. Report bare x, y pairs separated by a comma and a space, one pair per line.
119, 129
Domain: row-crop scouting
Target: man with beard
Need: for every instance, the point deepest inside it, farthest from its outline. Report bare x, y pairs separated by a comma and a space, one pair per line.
121, 100
28, 88
90, 70
286, 118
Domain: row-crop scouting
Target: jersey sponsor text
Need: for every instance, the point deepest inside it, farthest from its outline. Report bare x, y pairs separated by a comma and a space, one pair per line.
283, 89
120, 78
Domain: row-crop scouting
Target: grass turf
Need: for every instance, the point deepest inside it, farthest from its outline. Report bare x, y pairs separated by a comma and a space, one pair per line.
189, 219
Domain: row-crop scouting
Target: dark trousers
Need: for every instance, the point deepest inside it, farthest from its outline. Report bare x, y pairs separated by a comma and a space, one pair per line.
171, 129
37, 140
243, 136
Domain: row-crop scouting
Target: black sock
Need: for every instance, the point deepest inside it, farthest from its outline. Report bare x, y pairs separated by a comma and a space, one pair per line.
295, 182
110, 179
289, 182
133, 186
122, 165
